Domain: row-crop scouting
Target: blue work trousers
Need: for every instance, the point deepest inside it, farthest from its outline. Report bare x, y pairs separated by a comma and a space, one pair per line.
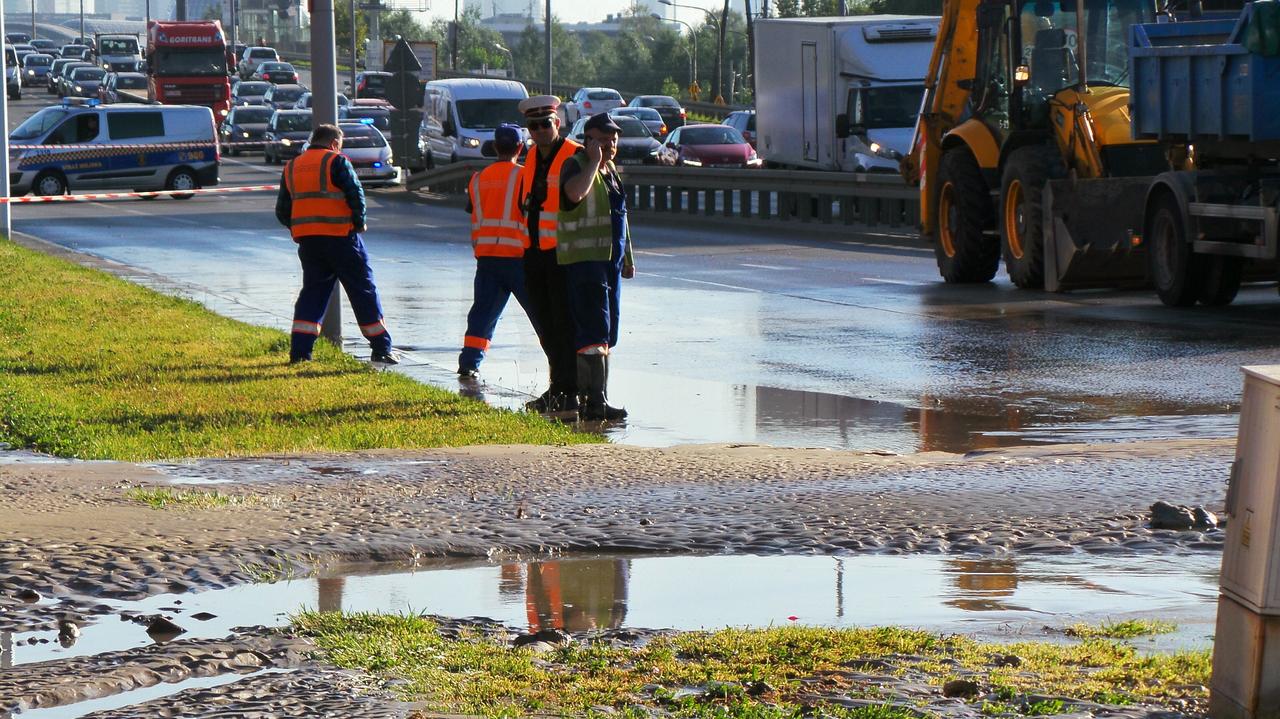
497, 280
326, 260
595, 289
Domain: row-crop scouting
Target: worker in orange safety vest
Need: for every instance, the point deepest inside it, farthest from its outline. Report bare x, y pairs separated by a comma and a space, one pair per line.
499, 239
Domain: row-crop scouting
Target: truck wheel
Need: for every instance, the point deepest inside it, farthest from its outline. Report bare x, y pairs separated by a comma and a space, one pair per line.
1170, 262
182, 178
964, 251
1022, 212
49, 183
1221, 279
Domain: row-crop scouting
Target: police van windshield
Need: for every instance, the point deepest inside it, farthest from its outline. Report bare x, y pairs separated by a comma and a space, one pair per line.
38, 124
488, 114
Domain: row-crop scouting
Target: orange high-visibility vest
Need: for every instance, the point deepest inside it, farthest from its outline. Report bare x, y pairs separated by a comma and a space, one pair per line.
550, 206
319, 208
497, 223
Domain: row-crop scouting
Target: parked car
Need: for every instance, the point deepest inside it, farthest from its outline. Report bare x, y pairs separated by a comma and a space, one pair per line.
370, 85
245, 129
250, 92
46, 46
251, 57
276, 72
743, 121
706, 145
636, 145
35, 69
282, 97
376, 112
285, 134
56, 70
84, 82
649, 116
16, 38
114, 82
668, 107
305, 103
367, 149
12, 74
590, 101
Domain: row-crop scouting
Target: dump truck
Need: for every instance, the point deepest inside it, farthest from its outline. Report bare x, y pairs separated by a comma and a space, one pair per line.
839, 93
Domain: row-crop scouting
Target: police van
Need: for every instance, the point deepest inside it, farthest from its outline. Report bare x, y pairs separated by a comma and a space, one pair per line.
87, 146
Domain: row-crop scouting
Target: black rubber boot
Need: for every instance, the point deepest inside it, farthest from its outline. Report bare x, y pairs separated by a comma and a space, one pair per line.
593, 381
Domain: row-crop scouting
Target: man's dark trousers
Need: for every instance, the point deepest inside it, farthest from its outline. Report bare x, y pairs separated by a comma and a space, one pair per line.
545, 283
326, 260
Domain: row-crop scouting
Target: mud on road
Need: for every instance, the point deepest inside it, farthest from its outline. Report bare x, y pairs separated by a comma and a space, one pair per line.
69, 532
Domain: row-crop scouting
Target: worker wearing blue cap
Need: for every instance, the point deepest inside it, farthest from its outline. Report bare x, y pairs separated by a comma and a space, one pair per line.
593, 244
499, 239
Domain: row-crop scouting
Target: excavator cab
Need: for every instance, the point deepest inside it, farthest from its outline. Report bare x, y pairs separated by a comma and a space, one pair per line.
1021, 94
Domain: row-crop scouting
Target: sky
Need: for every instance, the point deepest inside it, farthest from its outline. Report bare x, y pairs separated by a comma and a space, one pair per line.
572, 11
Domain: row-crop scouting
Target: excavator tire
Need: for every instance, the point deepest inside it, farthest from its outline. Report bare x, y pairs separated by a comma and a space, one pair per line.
1022, 212
965, 253
1171, 264
1221, 280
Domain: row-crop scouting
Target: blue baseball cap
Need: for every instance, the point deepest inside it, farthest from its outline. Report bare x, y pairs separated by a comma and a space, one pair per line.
506, 138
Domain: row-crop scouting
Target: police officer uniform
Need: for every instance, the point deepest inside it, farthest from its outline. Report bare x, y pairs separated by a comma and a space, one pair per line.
322, 203
499, 238
544, 278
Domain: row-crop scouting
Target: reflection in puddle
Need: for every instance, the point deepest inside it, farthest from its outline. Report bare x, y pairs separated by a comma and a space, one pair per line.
989, 598
137, 696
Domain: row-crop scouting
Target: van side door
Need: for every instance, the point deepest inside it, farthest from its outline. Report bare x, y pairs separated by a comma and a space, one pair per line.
138, 168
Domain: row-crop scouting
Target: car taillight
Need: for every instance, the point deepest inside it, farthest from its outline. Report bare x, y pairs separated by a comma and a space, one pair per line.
586, 104
295, 77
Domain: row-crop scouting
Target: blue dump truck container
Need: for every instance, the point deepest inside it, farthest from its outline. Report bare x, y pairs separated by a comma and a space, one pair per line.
1199, 80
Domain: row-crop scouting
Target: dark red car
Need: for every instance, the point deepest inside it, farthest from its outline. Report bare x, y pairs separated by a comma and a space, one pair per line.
707, 146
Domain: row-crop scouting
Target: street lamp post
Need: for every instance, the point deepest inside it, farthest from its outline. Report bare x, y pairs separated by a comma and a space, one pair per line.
693, 38
548, 24
353, 50
82, 20
510, 58
719, 25
453, 41
33, 19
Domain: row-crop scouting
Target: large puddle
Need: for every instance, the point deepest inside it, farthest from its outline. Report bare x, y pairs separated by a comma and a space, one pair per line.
999, 599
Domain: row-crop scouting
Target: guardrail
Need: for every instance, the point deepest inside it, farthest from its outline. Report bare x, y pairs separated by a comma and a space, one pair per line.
770, 195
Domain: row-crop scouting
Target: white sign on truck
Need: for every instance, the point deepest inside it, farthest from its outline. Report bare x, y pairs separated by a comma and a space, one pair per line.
840, 93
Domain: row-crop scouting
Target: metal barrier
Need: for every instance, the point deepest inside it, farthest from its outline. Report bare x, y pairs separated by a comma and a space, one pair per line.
774, 195
786, 195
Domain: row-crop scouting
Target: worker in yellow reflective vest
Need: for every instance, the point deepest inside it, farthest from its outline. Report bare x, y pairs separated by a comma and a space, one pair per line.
499, 239
322, 203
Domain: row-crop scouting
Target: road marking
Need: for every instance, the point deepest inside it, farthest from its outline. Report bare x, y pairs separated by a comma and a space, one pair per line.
764, 267
883, 281
655, 254
255, 168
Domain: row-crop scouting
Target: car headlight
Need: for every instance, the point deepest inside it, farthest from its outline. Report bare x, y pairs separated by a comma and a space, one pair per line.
245, 134
79, 89
692, 163
886, 152
470, 142
286, 141
31, 72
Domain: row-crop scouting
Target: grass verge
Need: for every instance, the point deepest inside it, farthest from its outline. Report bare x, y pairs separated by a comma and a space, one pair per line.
163, 497
762, 673
95, 367
1128, 629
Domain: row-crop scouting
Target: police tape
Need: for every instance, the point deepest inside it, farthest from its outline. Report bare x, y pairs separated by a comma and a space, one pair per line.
171, 194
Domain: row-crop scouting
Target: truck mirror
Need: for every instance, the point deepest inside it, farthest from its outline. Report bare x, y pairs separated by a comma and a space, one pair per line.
842, 125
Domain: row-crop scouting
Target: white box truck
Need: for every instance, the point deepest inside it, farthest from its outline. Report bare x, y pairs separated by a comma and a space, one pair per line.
840, 93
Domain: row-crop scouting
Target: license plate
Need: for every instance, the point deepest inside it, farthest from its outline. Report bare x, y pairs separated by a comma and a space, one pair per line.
366, 171
628, 161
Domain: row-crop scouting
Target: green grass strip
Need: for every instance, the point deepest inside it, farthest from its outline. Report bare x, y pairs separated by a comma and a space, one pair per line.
94, 367
761, 669
1128, 629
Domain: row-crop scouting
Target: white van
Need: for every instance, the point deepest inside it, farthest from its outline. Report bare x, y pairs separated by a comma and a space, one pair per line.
126, 146
459, 116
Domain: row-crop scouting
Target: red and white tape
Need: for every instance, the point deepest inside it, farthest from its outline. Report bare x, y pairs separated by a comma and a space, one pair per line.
93, 197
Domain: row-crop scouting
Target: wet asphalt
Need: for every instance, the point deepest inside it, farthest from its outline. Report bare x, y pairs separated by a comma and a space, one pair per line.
783, 334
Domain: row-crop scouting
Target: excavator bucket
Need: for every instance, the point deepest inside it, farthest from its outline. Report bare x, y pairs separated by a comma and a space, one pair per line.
1092, 233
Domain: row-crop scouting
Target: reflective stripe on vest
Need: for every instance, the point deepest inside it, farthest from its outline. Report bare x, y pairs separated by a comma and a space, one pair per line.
497, 224
550, 206
319, 208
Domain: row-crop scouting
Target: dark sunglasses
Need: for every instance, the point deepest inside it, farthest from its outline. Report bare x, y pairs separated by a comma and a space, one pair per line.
543, 124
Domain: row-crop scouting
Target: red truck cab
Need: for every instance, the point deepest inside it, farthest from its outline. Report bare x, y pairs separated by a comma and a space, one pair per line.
187, 65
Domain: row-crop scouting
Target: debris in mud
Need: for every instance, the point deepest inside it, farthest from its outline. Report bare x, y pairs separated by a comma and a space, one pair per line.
1179, 517
160, 628
68, 632
30, 596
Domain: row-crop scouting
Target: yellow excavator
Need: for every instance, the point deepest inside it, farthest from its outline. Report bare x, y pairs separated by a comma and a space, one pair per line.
1023, 149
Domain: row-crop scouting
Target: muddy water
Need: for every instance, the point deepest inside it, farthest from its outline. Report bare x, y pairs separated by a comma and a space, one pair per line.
998, 599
